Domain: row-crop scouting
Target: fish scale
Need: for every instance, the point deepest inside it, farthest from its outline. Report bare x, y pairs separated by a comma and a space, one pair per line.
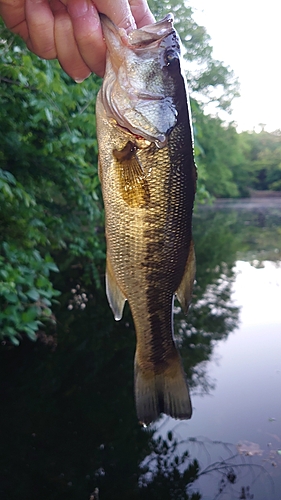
148, 189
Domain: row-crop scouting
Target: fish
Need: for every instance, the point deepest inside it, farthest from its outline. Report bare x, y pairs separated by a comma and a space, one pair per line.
148, 178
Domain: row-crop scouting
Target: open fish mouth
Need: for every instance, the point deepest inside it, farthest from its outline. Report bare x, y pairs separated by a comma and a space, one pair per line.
144, 36
139, 66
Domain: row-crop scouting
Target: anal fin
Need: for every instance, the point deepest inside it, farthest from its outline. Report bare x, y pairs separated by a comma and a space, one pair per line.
115, 296
184, 291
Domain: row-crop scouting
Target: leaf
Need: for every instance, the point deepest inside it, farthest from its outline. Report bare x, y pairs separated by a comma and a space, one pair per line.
6, 189
29, 315
12, 298
14, 340
49, 115
31, 334
33, 294
33, 325
53, 267
47, 302
4, 174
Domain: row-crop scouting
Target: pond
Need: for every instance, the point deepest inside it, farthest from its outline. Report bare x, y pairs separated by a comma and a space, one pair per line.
67, 422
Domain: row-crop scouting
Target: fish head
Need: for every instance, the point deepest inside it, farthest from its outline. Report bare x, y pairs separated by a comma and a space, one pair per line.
139, 90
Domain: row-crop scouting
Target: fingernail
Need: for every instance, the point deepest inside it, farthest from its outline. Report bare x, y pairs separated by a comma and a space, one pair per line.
79, 80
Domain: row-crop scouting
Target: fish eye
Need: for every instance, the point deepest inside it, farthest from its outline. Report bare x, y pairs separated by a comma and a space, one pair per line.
171, 56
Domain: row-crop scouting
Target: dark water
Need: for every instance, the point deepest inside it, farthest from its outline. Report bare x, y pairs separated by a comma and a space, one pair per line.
67, 419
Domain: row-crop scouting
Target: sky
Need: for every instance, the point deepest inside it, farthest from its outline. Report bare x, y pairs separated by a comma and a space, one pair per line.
246, 35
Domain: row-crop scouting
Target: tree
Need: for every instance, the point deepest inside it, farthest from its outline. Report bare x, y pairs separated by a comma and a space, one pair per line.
209, 80
263, 158
50, 200
218, 154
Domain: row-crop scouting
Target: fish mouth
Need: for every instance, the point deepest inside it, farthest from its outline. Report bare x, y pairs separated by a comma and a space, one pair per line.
138, 89
151, 33
139, 38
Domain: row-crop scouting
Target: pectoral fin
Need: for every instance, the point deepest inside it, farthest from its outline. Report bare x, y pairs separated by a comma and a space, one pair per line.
115, 296
184, 291
133, 183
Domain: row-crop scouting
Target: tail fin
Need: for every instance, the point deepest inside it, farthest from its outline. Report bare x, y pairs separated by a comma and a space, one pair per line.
162, 392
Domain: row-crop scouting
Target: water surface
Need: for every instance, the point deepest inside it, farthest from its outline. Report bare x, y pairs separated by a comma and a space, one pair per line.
67, 419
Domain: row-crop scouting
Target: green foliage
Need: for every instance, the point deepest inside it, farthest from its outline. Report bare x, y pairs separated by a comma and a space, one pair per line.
26, 292
51, 211
216, 146
218, 155
81, 399
229, 164
74, 396
50, 200
263, 157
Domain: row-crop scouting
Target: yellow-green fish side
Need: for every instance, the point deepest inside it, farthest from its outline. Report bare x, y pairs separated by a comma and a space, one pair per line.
148, 197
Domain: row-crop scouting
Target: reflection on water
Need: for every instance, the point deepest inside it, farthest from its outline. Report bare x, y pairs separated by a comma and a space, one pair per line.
245, 406
67, 417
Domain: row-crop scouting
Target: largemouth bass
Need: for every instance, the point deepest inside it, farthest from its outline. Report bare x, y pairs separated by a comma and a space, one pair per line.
148, 178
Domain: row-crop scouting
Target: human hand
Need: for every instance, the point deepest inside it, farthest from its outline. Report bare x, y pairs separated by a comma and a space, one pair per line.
70, 30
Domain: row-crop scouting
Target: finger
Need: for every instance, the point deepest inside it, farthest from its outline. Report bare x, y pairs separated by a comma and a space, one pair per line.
118, 12
88, 34
67, 51
141, 13
127, 14
40, 24
13, 15
12, 12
